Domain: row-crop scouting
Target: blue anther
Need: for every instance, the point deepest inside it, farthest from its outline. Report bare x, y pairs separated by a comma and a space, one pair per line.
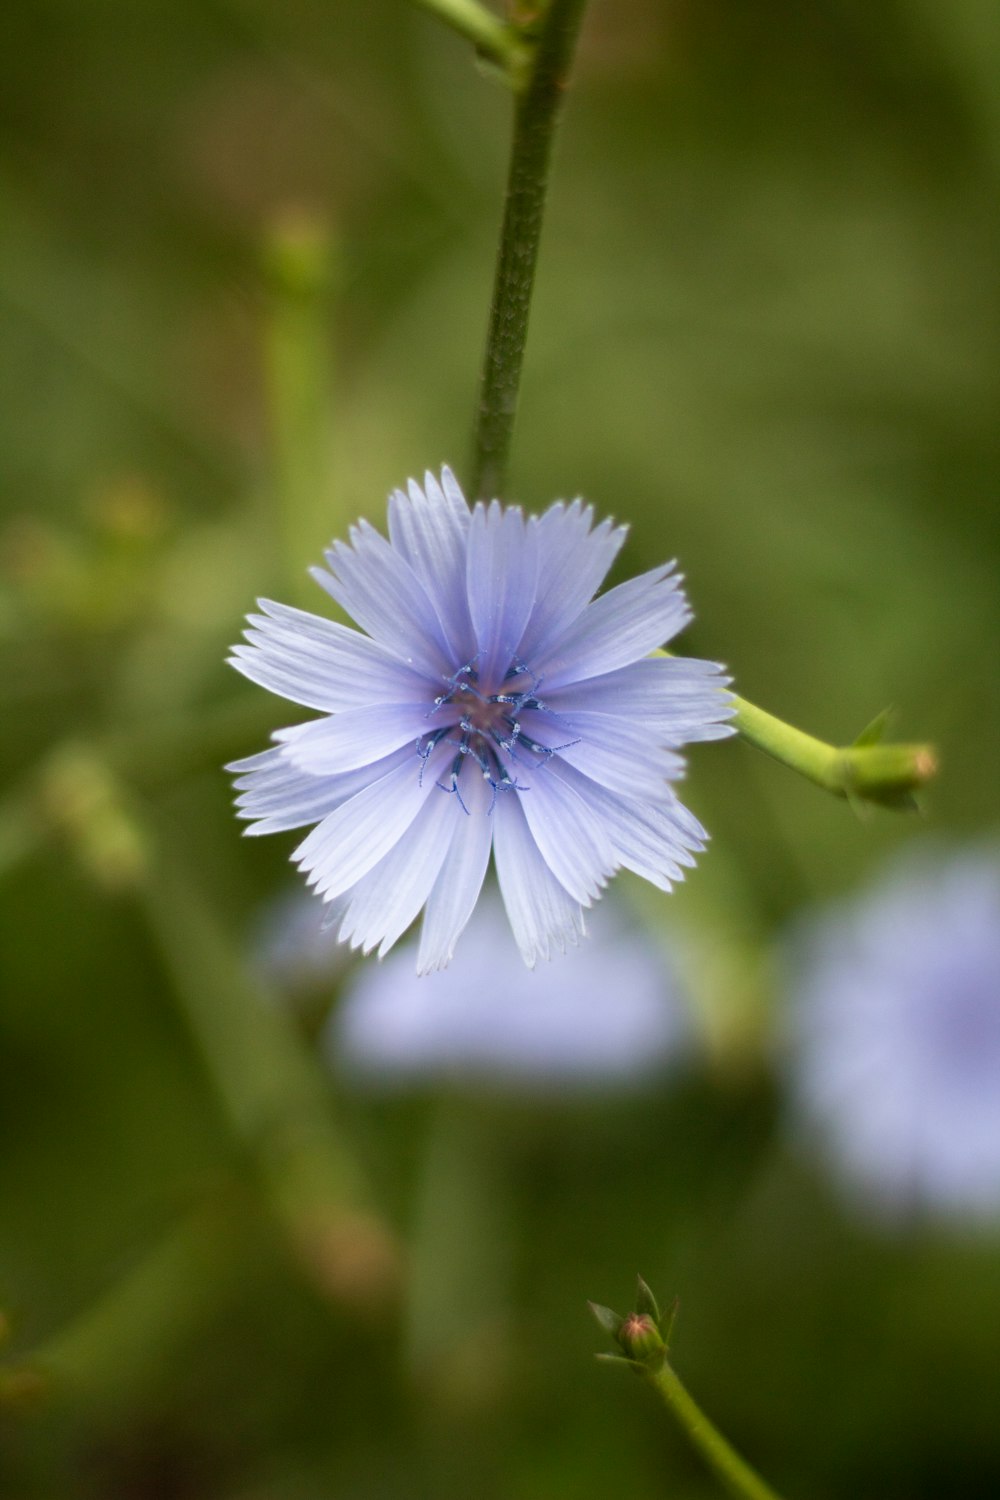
456, 768
424, 751
527, 697
454, 684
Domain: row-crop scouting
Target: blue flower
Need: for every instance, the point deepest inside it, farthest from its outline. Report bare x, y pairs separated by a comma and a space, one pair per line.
895, 1037
490, 704
483, 1020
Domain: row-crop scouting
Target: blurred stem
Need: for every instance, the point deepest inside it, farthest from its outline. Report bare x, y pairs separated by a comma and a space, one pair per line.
726, 1463
535, 119
19, 829
136, 1324
459, 1251
299, 264
490, 36
272, 1093
887, 774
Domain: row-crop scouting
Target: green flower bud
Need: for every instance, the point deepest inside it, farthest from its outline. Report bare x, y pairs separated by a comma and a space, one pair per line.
640, 1338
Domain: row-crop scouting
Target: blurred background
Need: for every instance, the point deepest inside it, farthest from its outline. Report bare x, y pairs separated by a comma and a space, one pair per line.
245, 260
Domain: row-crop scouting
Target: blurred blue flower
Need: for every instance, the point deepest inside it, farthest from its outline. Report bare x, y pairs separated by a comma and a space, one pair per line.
896, 1036
492, 704
606, 1015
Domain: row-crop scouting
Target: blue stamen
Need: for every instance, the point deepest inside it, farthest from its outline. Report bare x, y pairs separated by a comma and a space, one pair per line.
456, 768
425, 751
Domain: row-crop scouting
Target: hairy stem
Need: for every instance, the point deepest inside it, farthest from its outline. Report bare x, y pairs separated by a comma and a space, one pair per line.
535, 120
734, 1472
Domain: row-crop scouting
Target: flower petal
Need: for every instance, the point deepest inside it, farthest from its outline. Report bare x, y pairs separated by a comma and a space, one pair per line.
279, 796
611, 750
321, 664
430, 532
356, 835
618, 628
573, 560
653, 839
356, 738
501, 577
542, 914
380, 590
452, 492
650, 691
457, 887
572, 841
386, 900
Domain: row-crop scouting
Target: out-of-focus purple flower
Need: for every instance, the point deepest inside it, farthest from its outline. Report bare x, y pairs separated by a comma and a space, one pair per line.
607, 1015
896, 1036
491, 704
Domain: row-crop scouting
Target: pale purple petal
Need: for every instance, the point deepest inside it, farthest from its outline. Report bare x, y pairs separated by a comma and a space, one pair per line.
653, 841
358, 737
502, 576
456, 890
431, 533
356, 835
381, 591
573, 843
452, 492
541, 913
272, 791
573, 560
657, 691
618, 755
386, 900
321, 664
618, 628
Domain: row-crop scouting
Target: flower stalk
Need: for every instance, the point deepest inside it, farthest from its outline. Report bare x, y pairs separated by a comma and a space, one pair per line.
867, 771
535, 119
299, 259
732, 1470
644, 1339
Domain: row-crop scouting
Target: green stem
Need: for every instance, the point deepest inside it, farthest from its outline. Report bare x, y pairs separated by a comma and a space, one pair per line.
734, 1472
535, 121
271, 1092
299, 262
863, 772
888, 774
19, 829
137, 1324
490, 36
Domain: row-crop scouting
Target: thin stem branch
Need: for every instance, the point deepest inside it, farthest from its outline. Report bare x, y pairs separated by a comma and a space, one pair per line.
490, 36
888, 773
273, 1097
535, 122
734, 1472
300, 264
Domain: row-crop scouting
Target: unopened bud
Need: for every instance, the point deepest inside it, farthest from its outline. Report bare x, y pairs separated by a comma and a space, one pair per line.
639, 1337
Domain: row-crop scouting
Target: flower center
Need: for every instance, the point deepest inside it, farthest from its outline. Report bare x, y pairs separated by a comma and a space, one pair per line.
487, 716
488, 728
